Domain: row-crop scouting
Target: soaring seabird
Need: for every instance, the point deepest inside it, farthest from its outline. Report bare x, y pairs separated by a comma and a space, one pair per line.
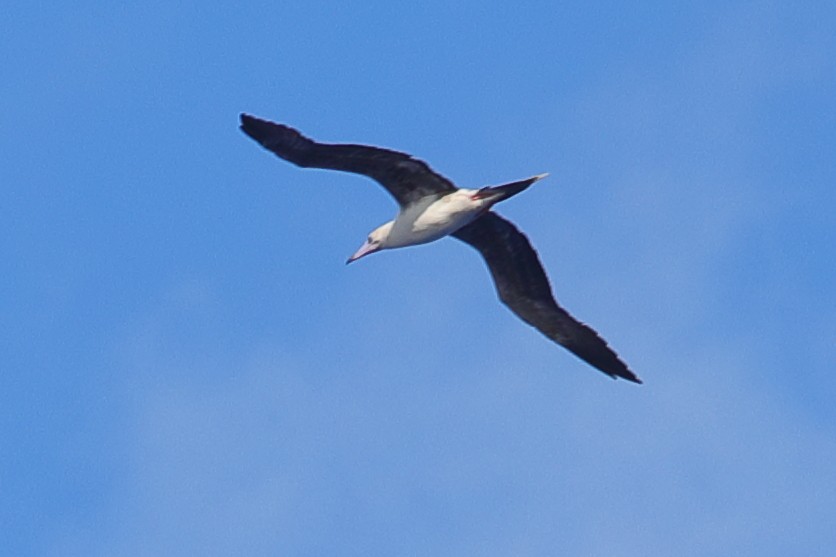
431, 207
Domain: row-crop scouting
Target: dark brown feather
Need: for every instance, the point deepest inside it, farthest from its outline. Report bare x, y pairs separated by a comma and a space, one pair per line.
406, 178
522, 285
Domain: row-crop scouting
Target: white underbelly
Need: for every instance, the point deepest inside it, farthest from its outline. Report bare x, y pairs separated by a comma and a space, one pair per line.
420, 225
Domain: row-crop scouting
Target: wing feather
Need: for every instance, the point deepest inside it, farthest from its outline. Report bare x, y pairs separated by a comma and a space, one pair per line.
523, 286
406, 178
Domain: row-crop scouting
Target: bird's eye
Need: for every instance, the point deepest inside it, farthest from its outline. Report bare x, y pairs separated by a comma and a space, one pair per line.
369, 240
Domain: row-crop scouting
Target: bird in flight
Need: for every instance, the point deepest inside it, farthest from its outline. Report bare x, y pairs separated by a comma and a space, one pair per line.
431, 207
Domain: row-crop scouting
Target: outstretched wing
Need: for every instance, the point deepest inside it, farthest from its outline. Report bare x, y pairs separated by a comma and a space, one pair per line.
406, 178
523, 286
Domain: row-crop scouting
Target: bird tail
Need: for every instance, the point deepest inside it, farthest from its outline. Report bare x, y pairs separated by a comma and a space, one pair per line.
500, 193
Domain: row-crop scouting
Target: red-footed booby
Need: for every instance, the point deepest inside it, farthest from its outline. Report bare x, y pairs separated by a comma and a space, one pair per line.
431, 207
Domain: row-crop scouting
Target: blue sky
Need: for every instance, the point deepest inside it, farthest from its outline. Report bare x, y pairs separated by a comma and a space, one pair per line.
188, 368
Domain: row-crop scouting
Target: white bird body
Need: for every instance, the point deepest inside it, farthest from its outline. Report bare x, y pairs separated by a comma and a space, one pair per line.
433, 218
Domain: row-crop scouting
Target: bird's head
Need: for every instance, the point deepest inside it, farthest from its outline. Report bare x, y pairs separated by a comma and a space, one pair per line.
375, 242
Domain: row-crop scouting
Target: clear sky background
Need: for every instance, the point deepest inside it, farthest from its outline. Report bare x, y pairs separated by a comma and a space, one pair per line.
189, 368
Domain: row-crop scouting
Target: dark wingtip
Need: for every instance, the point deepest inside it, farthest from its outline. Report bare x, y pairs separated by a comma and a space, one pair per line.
600, 356
621, 372
632, 378
629, 376
609, 362
272, 136
246, 120
254, 127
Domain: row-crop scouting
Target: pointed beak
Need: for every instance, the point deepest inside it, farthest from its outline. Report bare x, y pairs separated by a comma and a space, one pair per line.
364, 250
